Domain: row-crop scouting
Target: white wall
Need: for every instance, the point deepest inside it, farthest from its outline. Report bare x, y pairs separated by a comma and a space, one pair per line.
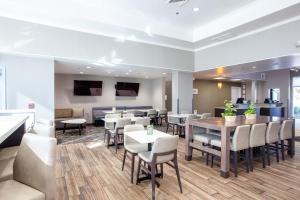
149, 93
29, 80
28, 38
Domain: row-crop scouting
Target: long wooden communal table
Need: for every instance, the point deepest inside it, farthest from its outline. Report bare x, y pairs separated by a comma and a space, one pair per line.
219, 124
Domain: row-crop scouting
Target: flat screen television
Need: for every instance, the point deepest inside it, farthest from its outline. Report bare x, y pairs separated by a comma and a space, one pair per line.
87, 88
127, 89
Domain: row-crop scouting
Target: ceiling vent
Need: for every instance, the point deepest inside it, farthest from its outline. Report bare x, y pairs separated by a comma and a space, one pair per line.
180, 3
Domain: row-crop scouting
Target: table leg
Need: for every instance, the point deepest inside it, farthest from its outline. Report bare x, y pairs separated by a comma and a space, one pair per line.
188, 140
225, 152
64, 130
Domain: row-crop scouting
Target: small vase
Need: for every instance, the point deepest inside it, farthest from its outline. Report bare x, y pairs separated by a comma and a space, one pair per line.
251, 117
230, 118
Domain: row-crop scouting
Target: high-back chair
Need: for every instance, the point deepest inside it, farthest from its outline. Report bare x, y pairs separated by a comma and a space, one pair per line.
131, 146
240, 141
272, 137
128, 115
258, 139
152, 115
34, 170
164, 150
145, 121
182, 125
162, 115
117, 133
110, 125
286, 133
172, 122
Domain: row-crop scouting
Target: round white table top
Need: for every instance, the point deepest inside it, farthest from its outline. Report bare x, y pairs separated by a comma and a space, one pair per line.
74, 121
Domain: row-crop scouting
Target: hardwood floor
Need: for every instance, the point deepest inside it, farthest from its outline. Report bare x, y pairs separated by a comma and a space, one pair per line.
95, 173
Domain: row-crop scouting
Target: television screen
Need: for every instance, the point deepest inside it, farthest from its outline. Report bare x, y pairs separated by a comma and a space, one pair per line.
127, 89
87, 88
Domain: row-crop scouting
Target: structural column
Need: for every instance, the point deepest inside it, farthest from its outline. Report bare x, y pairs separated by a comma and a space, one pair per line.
182, 91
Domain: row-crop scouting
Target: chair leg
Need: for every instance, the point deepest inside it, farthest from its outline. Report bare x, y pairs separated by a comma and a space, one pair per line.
132, 167
268, 154
173, 129
153, 179
263, 156
251, 159
138, 170
207, 159
162, 170
212, 161
177, 173
277, 151
247, 159
108, 139
124, 157
167, 127
116, 142
235, 162
290, 148
282, 149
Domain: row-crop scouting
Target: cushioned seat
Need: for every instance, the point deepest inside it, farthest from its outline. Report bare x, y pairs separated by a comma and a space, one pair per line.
8, 152
6, 169
145, 156
13, 190
217, 142
136, 148
203, 137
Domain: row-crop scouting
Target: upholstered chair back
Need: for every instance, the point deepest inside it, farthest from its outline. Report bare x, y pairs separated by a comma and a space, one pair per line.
272, 134
35, 164
164, 145
241, 137
258, 135
286, 130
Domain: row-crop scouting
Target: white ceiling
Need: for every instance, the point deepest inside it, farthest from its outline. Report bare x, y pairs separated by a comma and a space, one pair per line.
63, 66
145, 20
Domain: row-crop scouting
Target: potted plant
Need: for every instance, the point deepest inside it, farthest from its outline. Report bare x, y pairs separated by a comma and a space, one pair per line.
229, 111
250, 113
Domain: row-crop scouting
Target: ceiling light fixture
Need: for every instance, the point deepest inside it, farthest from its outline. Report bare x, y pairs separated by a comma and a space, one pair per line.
253, 67
164, 73
81, 72
220, 85
196, 9
88, 67
219, 78
235, 79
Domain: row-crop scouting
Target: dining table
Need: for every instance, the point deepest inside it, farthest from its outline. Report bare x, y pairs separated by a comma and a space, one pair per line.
225, 128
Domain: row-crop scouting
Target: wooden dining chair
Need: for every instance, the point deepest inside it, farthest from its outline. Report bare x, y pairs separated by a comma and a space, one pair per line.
286, 134
161, 115
152, 115
110, 125
145, 121
164, 151
131, 146
272, 137
258, 139
117, 133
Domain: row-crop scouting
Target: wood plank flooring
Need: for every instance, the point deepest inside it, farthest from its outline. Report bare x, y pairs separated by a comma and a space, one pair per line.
88, 171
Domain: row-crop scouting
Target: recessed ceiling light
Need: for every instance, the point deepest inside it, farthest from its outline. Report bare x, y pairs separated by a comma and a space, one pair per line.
235, 79
196, 9
164, 73
88, 67
253, 67
219, 78
81, 72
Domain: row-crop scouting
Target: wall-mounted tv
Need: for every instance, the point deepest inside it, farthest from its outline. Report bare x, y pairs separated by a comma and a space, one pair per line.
127, 89
87, 88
